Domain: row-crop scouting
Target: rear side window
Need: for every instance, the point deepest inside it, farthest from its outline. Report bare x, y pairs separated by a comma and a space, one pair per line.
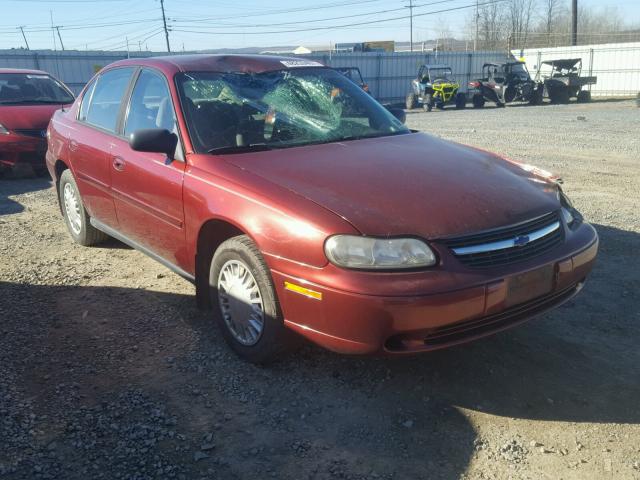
104, 104
86, 98
150, 105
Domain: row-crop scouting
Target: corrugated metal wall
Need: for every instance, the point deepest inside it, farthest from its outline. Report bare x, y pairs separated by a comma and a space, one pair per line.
617, 65
388, 74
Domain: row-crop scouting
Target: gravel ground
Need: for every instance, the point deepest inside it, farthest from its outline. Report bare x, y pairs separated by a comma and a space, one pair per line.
107, 369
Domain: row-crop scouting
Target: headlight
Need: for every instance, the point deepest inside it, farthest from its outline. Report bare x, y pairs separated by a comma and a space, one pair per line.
3, 130
569, 214
352, 251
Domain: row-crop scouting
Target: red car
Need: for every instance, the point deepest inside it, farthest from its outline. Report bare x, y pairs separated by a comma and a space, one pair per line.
297, 203
28, 99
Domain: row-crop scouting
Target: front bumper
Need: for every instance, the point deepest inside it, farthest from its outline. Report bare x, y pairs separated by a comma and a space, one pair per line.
357, 323
19, 149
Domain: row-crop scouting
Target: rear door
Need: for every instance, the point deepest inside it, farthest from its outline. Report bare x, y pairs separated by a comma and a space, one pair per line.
147, 187
92, 138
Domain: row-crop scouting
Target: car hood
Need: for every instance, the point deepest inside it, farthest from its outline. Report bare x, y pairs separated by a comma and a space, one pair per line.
16, 117
412, 184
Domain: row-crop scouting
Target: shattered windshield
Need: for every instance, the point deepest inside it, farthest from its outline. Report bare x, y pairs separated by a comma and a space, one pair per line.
18, 88
279, 109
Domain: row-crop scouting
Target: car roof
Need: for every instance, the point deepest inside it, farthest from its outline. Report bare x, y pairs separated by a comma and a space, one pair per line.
23, 70
563, 63
171, 65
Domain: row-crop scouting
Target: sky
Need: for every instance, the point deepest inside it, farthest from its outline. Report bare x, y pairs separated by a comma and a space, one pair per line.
202, 24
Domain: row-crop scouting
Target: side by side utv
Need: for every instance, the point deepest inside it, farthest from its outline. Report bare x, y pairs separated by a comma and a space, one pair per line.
562, 80
504, 83
435, 87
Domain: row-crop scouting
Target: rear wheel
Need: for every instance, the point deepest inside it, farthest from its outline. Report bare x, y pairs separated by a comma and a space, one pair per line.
410, 101
245, 302
536, 97
74, 213
584, 96
461, 100
477, 100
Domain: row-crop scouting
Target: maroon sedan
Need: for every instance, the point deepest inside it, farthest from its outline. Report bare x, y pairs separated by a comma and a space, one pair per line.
296, 203
28, 99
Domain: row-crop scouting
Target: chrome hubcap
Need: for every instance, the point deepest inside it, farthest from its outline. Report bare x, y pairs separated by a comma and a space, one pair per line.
72, 208
240, 302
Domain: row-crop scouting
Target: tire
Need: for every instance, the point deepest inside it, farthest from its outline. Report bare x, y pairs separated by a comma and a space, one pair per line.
428, 103
559, 95
477, 100
461, 101
264, 339
584, 96
536, 97
410, 101
78, 223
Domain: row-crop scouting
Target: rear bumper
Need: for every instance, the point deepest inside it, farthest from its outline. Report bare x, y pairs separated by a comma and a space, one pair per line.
18, 149
353, 323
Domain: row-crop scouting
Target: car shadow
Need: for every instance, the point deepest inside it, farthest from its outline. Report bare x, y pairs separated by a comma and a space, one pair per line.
316, 411
11, 187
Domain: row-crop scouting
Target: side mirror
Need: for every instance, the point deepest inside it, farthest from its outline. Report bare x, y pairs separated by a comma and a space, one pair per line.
399, 113
158, 140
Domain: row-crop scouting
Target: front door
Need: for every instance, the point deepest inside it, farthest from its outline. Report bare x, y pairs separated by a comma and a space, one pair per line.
147, 188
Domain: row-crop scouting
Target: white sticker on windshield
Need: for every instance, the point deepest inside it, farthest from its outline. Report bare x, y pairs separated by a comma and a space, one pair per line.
300, 63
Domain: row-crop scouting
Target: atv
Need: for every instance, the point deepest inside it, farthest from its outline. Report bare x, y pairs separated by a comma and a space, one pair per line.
505, 83
435, 86
563, 81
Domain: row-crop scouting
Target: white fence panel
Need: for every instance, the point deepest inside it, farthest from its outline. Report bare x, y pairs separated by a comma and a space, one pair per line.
617, 65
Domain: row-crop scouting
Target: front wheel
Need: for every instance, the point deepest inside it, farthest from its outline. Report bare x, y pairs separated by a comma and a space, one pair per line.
245, 302
410, 101
428, 103
461, 101
74, 213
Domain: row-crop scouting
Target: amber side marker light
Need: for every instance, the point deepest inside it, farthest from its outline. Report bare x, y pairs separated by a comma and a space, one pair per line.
302, 291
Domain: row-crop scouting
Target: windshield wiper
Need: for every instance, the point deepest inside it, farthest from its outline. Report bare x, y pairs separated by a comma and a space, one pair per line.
253, 147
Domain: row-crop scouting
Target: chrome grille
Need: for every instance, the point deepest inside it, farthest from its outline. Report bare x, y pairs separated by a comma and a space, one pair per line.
508, 245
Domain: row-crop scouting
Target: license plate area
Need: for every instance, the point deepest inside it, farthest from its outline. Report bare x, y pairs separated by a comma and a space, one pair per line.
529, 285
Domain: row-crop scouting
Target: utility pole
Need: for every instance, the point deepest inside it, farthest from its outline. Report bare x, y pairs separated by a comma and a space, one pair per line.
127, 40
60, 38
164, 22
25, 37
411, 24
475, 39
574, 22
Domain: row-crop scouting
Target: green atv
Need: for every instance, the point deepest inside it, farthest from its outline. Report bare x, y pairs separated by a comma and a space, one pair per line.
435, 87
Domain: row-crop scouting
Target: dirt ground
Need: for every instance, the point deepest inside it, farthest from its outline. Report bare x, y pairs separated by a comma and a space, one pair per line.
107, 369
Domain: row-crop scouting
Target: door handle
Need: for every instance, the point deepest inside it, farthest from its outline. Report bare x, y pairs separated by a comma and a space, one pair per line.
118, 163
73, 145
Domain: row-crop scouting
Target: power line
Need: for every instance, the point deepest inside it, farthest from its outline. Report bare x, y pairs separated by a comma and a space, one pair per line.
331, 27
317, 20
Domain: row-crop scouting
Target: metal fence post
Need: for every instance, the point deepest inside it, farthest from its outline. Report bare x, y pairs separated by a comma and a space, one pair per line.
379, 75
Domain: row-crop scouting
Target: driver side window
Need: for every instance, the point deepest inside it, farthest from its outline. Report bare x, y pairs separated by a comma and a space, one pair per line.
150, 105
